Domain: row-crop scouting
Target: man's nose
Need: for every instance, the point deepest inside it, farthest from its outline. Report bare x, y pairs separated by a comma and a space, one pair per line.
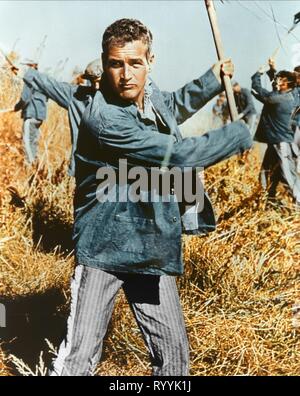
127, 74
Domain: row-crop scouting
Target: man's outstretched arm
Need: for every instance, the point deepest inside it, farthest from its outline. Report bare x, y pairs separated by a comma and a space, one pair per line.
272, 69
262, 94
130, 140
187, 100
59, 92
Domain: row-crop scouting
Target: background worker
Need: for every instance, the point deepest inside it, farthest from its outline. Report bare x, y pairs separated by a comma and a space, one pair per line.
295, 119
33, 105
275, 129
245, 105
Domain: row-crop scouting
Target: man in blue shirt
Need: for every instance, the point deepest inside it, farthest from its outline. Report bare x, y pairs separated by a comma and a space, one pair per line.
34, 110
129, 243
245, 105
275, 129
219, 112
296, 113
296, 119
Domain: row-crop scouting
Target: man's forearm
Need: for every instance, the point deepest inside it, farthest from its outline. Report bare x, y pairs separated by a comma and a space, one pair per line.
261, 93
59, 92
201, 151
187, 100
271, 74
155, 149
247, 110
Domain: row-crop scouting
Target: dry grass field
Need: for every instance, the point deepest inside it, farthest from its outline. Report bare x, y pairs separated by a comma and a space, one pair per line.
240, 291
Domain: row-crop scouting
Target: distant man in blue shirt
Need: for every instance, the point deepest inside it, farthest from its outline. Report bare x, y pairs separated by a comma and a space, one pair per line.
219, 111
121, 242
34, 110
296, 118
296, 113
275, 129
245, 105
71, 97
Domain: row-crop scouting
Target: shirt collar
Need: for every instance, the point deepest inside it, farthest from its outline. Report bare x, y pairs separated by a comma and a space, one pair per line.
149, 111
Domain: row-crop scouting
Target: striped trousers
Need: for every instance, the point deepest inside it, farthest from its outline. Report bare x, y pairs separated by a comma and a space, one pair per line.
155, 303
279, 165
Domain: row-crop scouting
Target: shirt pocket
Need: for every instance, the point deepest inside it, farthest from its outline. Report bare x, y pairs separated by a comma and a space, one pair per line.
133, 234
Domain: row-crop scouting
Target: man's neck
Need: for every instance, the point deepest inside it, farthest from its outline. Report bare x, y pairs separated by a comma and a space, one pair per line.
139, 102
286, 91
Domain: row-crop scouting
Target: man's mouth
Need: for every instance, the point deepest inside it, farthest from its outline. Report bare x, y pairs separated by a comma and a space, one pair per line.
127, 86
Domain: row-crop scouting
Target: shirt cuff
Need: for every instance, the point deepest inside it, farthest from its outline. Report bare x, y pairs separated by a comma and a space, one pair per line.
211, 83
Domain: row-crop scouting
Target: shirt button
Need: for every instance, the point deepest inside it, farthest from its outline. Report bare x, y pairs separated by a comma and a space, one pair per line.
174, 219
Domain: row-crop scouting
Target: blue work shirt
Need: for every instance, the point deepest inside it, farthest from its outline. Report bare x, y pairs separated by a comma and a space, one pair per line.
33, 103
296, 92
296, 114
244, 102
143, 237
275, 122
73, 98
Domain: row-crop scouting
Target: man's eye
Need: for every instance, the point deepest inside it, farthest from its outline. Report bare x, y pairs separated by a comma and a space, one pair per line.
137, 64
115, 64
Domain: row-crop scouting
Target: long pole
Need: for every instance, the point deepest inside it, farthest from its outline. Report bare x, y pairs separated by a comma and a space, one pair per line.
6, 58
220, 52
275, 53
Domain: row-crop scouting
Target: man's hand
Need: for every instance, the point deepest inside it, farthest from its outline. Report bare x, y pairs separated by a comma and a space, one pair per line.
271, 63
240, 116
15, 70
224, 67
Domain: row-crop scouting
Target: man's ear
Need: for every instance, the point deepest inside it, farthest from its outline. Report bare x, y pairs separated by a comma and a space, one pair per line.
151, 61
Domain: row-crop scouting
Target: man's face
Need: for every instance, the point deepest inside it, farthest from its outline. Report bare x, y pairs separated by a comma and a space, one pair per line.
127, 69
236, 88
95, 82
221, 99
32, 66
282, 84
